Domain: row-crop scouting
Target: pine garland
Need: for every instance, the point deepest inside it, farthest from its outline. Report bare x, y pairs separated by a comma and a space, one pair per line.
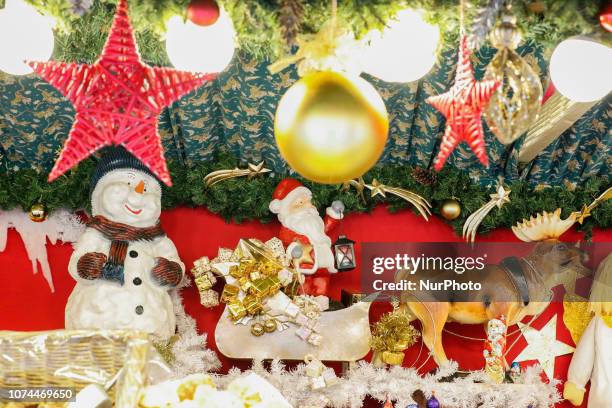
260, 30
242, 199
484, 22
290, 17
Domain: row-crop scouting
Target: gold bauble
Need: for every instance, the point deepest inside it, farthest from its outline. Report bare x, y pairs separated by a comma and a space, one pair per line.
331, 127
270, 325
38, 212
515, 105
257, 329
450, 209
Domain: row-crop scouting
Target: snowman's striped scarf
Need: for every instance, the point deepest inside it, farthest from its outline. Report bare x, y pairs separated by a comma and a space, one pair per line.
120, 236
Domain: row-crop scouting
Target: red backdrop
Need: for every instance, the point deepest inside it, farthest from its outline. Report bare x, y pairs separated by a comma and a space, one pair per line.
29, 305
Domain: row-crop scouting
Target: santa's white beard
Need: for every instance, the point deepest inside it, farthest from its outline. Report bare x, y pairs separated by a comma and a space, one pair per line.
309, 223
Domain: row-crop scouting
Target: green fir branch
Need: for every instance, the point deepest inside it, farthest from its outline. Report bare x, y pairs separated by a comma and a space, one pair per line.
259, 31
242, 199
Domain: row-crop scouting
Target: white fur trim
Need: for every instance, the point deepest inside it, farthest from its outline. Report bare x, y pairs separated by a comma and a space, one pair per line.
276, 205
334, 214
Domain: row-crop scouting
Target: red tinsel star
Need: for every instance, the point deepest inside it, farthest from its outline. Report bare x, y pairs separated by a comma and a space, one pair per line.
117, 100
462, 106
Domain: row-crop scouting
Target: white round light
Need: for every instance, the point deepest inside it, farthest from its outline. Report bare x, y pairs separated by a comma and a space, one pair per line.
404, 51
195, 48
581, 69
24, 35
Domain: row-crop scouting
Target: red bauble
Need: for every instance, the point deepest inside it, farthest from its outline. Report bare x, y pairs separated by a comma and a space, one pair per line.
117, 100
203, 12
605, 17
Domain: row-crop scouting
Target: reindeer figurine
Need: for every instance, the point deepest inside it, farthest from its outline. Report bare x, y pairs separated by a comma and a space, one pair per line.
524, 279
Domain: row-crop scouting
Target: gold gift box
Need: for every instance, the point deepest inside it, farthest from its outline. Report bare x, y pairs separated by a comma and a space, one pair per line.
252, 305
230, 292
236, 310
275, 285
265, 287
244, 267
203, 282
269, 268
244, 284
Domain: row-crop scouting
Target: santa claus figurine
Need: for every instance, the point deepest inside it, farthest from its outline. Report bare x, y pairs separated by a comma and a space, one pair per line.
304, 233
124, 263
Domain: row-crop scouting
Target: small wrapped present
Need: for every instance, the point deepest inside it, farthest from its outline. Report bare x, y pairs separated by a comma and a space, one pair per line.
315, 339
321, 376
252, 305
201, 266
317, 383
205, 282
236, 310
209, 298
314, 367
303, 333
230, 293
330, 377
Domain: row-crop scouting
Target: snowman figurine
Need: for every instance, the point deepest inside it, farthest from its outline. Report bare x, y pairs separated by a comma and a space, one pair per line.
124, 263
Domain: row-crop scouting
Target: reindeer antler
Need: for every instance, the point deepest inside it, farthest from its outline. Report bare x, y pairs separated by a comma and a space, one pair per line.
551, 226
544, 226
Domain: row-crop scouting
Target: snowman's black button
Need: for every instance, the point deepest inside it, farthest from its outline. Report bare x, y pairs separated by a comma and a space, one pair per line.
137, 281
139, 309
133, 254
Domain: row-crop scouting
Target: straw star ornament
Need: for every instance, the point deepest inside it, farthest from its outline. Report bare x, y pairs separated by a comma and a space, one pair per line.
117, 100
462, 106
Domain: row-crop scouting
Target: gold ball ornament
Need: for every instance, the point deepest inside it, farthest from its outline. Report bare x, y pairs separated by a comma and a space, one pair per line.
257, 329
38, 212
331, 127
450, 209
270, 325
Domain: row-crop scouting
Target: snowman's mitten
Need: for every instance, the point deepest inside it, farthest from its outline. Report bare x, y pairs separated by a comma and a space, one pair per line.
167, 273
90, 265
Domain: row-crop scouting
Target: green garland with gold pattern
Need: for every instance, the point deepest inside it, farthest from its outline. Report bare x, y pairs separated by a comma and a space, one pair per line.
81, 38
242, 199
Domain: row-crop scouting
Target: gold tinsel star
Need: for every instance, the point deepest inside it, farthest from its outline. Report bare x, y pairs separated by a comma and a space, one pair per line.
378, 189
501, 196
306, 258
586, 212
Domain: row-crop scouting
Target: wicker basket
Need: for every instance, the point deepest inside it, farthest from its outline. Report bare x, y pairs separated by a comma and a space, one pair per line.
75, 358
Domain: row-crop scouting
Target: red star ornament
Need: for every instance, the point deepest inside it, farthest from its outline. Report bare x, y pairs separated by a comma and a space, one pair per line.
117, 100
462, 106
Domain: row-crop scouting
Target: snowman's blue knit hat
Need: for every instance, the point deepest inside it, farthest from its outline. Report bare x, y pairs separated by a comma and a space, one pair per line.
115, 158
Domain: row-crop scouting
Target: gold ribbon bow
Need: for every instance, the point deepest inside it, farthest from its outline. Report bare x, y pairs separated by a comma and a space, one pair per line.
333, 48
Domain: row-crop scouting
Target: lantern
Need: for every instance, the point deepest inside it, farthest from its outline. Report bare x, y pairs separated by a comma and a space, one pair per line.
344, 252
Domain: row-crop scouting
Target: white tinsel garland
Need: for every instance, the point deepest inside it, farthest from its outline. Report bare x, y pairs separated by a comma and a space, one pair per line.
190, 353
61, 225
399, 383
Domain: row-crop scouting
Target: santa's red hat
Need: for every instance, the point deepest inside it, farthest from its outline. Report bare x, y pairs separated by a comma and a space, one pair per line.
285, 192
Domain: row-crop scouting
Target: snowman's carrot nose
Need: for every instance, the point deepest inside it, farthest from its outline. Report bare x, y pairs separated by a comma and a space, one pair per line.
140, 187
